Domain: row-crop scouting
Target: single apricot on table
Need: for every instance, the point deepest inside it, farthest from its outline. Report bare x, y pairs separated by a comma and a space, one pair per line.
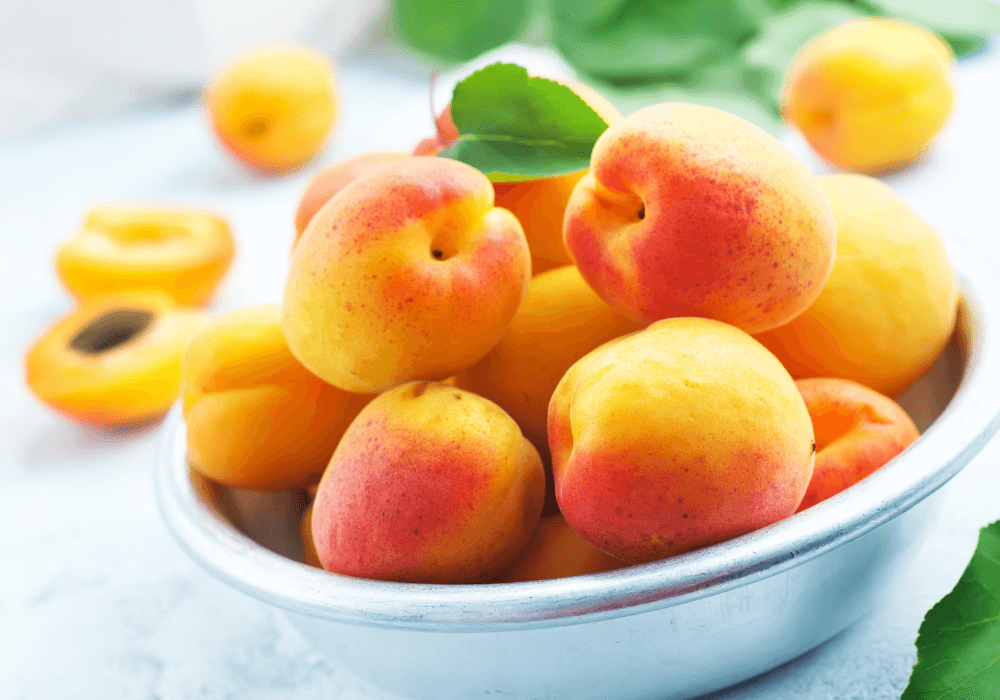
409, 273
430, 484
555, 550
692, 211
186, 253
889, 307
679, 436
273, 109
857, 429
115, 359
256, 418
870, 95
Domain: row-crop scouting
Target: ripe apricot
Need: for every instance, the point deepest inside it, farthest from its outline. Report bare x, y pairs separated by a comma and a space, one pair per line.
115, 359
555, 550
857, 431
889, 306
273, 109
256, 418
870, 95
309, 555
185, 253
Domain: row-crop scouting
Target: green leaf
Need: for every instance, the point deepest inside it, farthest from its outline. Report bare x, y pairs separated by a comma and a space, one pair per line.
514, 127
965, 24
958, 645
458, 30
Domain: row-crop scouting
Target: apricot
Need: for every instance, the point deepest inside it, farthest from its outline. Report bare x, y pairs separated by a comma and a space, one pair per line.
115, 359
890, 304
857, 429
871, 94
409, 273
274, 108
309, 555
430, 484
555, 550
676, 437
692, 211
186, 253
256, 418
331, 180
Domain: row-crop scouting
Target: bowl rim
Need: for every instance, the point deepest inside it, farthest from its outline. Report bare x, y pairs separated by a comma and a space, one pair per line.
971, 418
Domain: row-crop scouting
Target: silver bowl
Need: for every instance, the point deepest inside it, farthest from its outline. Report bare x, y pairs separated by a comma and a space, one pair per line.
675, 628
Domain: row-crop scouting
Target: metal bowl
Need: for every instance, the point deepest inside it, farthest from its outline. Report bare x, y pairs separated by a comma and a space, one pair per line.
675, 628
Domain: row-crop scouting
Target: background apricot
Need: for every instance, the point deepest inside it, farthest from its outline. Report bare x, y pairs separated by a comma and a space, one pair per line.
115, 359
256, 418
273, 108
555, 550
429, 484
186, 253
889, 306
870, 95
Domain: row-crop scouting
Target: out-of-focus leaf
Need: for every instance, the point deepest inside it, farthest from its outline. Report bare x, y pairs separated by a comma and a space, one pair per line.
458, 30
965, 24
958, 645
514, 127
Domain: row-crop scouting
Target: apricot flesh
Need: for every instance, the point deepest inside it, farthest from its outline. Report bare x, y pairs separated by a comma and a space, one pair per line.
692, 211
555, 550
410, 272
115, 359
870, 95
256, 418
676, 437
430, 484
890, 304
186, 253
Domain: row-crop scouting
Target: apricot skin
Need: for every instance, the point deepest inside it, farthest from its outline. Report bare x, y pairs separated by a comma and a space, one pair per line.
556, 551
676, 437
130, 382
256, 418
889, 306
430, 484
185, 253
691, 211
858, 430
410, 272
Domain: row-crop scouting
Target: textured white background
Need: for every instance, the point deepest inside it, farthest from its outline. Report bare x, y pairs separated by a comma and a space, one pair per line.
96, 599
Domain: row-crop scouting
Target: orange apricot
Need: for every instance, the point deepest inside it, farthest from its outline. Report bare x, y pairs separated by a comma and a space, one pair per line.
857, 431
556, 550
256, 418
309, 555
186, 253
115, 359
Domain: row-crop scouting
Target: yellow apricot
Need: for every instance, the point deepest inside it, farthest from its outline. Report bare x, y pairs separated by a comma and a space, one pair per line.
556, 550
273, 108
185, 253
889, 306
871, 94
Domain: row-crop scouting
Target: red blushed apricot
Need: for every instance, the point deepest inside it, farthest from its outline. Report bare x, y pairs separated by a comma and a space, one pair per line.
185, 253
115, 359
857, 431
331, 180
256, 418
555, 551
430, 484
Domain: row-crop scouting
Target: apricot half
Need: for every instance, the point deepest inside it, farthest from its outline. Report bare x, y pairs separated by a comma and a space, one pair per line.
256, 418
115, 359
184, 253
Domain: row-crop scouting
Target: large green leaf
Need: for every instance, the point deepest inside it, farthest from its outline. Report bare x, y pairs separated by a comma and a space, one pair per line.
458, 31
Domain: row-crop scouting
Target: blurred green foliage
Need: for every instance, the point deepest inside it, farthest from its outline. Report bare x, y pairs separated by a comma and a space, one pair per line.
457, 30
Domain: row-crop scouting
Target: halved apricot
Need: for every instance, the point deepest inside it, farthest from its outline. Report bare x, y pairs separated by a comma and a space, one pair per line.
115, 359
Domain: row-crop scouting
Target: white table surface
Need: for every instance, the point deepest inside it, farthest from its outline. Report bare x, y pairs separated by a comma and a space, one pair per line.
98, 601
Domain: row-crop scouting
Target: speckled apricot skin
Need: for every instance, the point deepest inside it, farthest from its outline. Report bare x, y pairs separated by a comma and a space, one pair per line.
555, 550
430, 484
889, 306
367, 304
676, 437
131, 383
858, 431
256, 418
692, 211
186, 253
331, 180
870, 95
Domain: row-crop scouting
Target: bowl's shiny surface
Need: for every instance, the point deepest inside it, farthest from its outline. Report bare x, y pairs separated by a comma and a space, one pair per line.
670, 629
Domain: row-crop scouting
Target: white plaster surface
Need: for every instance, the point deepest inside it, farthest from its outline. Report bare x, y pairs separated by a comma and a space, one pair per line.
98, 601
